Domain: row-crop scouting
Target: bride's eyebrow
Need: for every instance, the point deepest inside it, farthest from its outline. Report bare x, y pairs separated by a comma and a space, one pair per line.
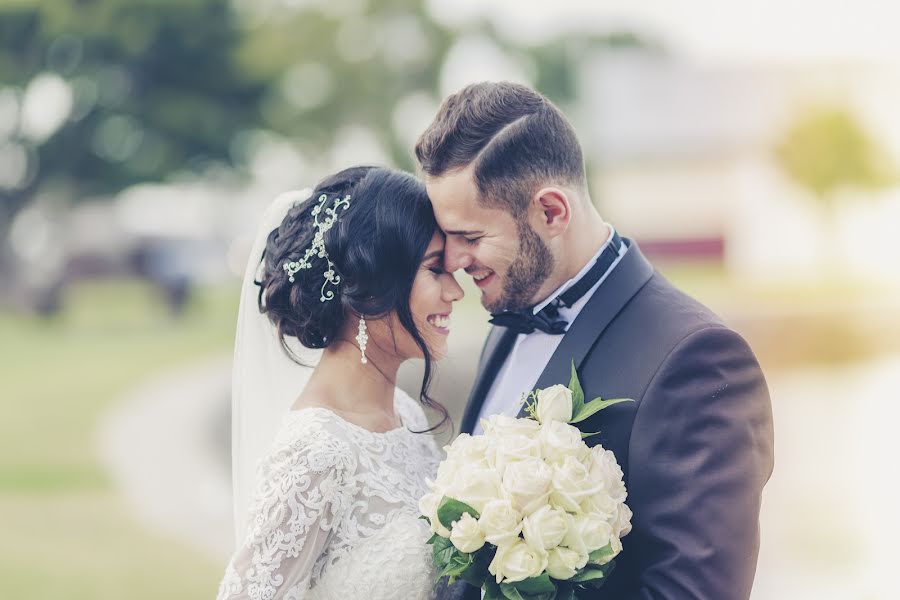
436, 254
461, 232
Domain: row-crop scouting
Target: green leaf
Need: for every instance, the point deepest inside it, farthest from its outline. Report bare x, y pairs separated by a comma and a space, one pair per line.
492, 589
577, 392
588, 574
442, 551
510, 592
600, 553
535, 585
458, 563
449, 511
595, 406
433, 539
587, 435
598, 582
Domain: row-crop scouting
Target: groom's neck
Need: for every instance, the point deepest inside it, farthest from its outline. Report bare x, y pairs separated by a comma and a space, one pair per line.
581, 242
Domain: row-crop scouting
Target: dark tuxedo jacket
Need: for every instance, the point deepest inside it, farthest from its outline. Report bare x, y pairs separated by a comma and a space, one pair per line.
696, 445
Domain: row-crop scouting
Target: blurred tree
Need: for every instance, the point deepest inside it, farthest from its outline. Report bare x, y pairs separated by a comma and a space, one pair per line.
142, 87
104, 94
827, 150
346, 66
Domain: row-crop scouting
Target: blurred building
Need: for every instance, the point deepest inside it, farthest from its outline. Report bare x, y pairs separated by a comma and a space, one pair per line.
684, 159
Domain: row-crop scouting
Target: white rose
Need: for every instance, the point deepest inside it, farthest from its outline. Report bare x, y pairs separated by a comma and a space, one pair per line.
621, 525
616, 547
600, 504
564, 563
554, 404
468, 449
476, 486
466, 535
573, 539
501, 425
500, 522
572, 485
527, 484
545, 528
559, 440
428, 504
446, 474
595, 532
513, 448
606, 471
517, 561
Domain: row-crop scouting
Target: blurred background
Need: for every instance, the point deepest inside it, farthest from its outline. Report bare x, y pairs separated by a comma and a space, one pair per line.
751, 148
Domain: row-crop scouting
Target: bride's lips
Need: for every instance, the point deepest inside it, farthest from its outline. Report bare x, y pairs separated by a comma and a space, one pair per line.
440, 322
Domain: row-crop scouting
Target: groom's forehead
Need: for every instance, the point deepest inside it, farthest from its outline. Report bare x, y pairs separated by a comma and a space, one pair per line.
454, 193
458, 182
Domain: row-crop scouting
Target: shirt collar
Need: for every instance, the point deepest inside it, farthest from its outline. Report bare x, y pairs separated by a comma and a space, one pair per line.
541, 305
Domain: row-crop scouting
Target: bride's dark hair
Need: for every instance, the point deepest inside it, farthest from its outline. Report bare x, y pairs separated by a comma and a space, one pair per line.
376, 246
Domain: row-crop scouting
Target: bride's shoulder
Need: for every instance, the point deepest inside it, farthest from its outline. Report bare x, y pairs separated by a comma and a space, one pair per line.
312, 434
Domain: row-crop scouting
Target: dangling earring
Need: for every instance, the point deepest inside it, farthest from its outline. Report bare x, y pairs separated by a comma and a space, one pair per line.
362, 338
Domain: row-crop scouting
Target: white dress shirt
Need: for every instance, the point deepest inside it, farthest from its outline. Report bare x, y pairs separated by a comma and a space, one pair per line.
532, 351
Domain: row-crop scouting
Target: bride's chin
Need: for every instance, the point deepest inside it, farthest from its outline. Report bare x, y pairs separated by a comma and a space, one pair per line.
438, 351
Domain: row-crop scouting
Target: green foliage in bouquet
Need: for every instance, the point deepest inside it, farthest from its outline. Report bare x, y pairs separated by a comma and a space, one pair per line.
449, 560
473, 567
580, 410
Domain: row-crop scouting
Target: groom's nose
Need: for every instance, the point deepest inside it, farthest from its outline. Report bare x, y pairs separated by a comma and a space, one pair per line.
456, 256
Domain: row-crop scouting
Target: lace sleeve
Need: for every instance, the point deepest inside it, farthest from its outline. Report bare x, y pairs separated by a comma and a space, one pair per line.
304, 489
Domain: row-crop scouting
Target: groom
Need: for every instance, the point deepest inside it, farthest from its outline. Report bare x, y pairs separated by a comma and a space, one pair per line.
505, 174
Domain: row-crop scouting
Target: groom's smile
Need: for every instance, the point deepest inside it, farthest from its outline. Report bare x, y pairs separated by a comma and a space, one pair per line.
506, 259
481, 240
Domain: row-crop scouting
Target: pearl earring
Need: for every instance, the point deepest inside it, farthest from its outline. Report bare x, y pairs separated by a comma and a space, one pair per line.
362, 338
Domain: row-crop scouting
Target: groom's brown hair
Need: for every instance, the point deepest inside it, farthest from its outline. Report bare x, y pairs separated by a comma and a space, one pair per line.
515, 137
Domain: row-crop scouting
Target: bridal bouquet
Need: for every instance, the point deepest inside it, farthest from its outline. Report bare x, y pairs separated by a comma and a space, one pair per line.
527, 510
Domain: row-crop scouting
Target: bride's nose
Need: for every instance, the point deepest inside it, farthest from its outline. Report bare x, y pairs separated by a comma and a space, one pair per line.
452, 290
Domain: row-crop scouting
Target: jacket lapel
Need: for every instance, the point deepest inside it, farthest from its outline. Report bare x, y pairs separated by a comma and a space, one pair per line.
629, 276
496, 348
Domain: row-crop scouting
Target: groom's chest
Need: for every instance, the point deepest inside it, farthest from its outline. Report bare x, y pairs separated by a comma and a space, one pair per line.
519, 373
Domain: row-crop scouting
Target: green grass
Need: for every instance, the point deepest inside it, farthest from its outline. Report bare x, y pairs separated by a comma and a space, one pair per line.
64, 530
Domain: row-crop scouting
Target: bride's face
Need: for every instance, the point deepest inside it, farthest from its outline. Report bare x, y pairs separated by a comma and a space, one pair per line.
431, 301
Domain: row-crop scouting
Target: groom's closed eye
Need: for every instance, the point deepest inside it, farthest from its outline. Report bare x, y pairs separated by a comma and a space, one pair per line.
469, 237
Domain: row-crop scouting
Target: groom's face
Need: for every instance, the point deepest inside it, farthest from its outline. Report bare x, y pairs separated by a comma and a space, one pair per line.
507, 260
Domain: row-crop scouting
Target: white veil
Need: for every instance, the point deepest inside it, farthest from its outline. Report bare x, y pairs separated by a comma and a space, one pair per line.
265, 382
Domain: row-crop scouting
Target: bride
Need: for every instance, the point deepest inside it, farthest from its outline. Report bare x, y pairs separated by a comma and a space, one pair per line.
349, 277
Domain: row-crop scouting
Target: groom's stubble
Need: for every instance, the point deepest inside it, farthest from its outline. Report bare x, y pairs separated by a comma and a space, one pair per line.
532, 266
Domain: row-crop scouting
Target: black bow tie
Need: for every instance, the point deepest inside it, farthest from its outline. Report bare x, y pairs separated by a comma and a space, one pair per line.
547, 319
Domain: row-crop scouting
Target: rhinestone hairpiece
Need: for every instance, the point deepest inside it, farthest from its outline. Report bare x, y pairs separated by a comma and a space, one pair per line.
318, 245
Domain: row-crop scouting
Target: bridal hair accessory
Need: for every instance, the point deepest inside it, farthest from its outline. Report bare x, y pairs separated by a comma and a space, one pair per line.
318, 245
362, 338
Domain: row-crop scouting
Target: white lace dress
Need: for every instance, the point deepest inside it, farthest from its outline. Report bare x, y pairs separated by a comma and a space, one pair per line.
335, 515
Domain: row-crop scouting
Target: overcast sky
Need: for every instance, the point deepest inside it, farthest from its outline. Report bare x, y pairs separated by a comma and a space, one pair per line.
710, 31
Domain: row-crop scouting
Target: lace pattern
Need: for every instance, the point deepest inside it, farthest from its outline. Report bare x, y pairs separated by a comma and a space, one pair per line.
335, 514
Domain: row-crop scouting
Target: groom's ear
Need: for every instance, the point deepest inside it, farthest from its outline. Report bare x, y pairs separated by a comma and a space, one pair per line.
553, 210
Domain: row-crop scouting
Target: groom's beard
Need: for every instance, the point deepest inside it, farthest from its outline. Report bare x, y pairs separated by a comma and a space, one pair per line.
532, 266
